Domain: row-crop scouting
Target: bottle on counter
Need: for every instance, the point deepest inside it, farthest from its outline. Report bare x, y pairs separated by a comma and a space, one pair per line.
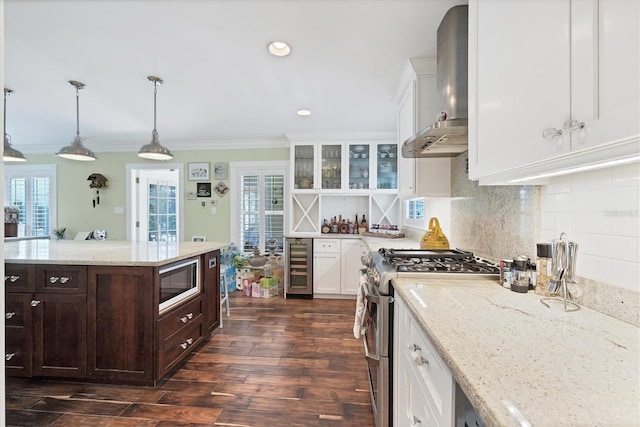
543, 267
326, 228
356, 225
334, 225
363, 225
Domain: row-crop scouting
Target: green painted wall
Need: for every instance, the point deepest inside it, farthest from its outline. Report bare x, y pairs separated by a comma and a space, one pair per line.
76, 211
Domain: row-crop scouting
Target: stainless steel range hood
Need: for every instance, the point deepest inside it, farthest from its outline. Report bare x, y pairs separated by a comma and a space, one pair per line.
448, 136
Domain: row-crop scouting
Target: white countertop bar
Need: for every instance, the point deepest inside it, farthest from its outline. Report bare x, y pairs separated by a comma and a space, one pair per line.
103, 252
556, 368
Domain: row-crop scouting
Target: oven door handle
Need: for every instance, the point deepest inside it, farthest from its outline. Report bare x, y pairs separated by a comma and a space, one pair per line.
377, 298
367, 354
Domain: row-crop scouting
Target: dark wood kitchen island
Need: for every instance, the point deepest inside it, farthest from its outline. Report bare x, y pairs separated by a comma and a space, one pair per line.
91, 310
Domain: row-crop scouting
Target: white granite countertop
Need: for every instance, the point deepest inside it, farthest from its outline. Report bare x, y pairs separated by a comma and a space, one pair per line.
556, 368
103, 252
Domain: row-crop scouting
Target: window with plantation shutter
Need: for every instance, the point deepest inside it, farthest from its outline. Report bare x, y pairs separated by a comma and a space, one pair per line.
260, 209
32, 189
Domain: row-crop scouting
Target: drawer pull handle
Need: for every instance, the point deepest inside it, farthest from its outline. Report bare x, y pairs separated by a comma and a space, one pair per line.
53, 279
414, 347
186, 343
9, 356
421, 361
64, 279
415, 421
9, 314
12, 279
184, 319
35, 302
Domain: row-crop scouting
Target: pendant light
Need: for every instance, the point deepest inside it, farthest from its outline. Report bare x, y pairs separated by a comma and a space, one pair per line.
10, 153
153, 150
76, 151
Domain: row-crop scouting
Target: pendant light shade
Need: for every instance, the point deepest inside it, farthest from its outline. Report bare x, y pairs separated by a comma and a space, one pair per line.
153, 150
77, 151
10, 153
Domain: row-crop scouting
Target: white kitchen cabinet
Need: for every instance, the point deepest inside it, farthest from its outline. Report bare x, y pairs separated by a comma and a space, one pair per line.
429, 177
336, 266
424, 388
321, 172
582, 64
326, 266
350, 250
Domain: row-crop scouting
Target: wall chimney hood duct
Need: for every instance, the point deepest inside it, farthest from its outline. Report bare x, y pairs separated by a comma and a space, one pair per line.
448, 136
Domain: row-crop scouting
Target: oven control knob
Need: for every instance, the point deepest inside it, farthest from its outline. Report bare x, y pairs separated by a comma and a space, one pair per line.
373, 277
366, 260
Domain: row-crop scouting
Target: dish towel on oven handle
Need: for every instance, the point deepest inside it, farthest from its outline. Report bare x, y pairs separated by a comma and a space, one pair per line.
361, 306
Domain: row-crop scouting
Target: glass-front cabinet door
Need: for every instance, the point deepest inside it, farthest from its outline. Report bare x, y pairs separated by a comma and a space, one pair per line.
304, 170
331, 166
386, 167
359, 156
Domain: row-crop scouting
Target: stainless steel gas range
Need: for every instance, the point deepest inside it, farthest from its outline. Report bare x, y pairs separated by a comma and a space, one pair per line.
383, 266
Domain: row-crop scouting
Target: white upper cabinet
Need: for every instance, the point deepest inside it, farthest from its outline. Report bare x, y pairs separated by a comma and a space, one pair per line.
416, 110
538, 65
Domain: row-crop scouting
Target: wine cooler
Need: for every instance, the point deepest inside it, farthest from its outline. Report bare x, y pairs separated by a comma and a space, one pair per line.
299, 274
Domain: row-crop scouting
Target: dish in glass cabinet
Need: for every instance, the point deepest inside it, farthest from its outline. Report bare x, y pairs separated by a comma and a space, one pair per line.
384, 147
358, 148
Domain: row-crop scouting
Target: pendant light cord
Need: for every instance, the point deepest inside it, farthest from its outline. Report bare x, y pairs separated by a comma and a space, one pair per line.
77, 111
155, 92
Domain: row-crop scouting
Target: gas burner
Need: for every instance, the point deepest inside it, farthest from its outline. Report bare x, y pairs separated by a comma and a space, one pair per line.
443, 261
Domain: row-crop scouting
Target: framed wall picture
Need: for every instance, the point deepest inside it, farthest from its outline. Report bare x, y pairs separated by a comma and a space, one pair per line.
204, 189
220, 170
199, 171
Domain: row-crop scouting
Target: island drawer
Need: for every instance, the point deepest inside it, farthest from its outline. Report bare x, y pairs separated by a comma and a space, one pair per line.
18, 348
60, 279
19, 278
173, 350
180, 318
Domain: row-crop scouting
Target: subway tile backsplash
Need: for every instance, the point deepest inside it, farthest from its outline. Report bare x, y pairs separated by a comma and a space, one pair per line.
599, 210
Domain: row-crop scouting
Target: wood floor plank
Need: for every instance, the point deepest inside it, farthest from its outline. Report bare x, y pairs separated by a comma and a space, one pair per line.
276, 362
173, 413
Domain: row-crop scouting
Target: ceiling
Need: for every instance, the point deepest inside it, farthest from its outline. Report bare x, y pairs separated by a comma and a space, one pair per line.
221, 86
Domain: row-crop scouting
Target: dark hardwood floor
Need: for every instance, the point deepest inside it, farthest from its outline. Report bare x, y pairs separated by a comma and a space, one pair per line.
276, 362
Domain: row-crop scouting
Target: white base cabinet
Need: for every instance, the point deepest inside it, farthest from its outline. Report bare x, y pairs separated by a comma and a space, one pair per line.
336, 266
424, 388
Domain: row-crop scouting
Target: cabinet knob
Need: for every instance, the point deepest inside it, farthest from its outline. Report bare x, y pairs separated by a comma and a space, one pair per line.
12, 279
9, 356
184, 345
53, 279
9, 314
189, 341
414, 421
414, 347
186, 318
421, 361
64, 279
35, 302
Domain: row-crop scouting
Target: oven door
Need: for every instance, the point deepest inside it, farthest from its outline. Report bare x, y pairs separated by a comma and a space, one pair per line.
376, 348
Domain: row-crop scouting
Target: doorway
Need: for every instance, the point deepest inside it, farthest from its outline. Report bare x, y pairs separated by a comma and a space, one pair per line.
154, 202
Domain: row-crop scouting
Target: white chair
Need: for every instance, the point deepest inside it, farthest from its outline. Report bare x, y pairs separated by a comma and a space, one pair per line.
224, 292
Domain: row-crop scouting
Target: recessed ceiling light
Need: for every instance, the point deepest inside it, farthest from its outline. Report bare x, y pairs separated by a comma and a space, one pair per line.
279, 48
304, 112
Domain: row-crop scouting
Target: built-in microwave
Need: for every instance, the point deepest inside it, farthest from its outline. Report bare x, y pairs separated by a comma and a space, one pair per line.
179, 281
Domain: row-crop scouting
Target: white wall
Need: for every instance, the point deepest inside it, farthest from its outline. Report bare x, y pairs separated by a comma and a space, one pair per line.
599, 211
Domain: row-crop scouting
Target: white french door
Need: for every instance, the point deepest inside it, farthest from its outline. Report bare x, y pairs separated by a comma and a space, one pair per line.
258, 208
